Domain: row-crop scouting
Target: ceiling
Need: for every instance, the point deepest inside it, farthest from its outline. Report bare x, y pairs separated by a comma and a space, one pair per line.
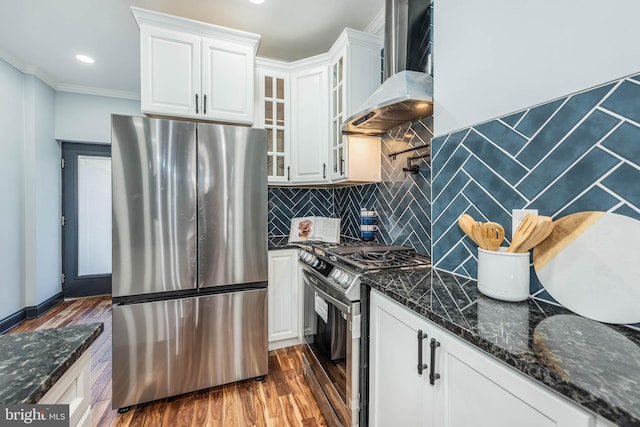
43, 37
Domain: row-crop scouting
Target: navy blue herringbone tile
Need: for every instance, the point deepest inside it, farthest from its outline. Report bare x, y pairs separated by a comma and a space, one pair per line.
445, 169
625, 181
512, 119
449, 192
628, 211
564, 120
500, 162
494, 185
535, 117
625, 100
443, 147
500, 134
596, 199
578, 178
585, 136
624, 141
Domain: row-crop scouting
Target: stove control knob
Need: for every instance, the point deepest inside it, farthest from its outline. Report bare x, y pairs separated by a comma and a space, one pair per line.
344, 279
315, 262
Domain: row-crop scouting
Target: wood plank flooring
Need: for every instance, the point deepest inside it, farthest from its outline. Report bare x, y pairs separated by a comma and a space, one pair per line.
283, 399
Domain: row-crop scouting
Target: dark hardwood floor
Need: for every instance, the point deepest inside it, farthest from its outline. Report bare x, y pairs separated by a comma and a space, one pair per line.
282, 399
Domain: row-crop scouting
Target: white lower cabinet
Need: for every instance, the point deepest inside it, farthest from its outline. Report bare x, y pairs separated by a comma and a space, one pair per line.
74, 389
284, 298
471, 388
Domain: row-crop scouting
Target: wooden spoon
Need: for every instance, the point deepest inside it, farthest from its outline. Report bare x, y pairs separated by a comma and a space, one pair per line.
524, 230
466, 224
492, 235
543, 229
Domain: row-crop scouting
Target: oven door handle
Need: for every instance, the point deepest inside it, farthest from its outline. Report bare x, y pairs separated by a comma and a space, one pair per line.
339, 304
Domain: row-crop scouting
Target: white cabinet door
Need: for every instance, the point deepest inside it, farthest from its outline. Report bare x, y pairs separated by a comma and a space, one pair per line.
310, 133
227, 81
170, 64
473, 389
398, 395
273, 115
284, 292
477, 390
355, 74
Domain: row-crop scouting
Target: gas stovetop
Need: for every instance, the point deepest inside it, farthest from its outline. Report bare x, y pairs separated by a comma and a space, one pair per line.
341, 265
369, 256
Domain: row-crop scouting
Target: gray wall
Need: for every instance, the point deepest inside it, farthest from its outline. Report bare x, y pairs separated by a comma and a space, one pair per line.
11, 212
87, 118
33, 117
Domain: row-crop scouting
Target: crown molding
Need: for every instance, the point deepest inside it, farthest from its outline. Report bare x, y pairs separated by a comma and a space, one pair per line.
376, 23
96, 91
27, 69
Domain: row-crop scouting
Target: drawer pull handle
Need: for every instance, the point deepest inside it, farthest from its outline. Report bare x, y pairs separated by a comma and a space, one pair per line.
432, 373
421, 366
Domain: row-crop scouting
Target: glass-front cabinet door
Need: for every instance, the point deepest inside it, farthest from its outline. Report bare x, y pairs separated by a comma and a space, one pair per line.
337, 117
274, 95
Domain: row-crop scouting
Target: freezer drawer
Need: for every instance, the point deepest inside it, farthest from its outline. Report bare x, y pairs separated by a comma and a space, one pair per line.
166, 348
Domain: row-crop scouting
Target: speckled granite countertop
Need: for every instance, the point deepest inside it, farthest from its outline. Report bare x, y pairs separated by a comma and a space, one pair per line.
593, 364
279, 242
32, 362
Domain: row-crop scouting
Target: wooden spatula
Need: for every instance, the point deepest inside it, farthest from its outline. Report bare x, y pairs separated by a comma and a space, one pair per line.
543, 229
524, 230
492, 235
466, 224
476, 229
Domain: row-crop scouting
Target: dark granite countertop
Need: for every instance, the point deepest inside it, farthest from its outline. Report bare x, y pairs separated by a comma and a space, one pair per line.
279, 242
32, 362
594, 364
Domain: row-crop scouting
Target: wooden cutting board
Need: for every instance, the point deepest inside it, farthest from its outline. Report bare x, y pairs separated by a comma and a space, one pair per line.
591, 264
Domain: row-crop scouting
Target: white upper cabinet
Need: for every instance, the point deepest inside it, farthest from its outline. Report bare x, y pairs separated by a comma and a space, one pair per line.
195, 70
355, 74
310, 118
274, 116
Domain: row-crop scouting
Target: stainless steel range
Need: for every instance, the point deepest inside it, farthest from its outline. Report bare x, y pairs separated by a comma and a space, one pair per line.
332, 319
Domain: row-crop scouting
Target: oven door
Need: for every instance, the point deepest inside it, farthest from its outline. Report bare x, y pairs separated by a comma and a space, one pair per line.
328, 344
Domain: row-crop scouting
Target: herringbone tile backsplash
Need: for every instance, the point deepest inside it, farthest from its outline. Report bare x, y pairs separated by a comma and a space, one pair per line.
578, 153
402, 199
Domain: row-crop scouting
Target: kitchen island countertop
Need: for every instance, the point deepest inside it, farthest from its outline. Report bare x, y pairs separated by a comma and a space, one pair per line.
32, 362
599, 372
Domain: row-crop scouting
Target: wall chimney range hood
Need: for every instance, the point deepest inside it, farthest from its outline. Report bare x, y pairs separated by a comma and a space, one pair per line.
407, 92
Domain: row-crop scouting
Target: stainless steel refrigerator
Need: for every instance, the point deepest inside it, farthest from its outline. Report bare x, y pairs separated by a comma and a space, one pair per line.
189, 257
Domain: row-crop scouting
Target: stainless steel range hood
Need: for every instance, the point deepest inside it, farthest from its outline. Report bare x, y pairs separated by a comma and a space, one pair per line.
407, 92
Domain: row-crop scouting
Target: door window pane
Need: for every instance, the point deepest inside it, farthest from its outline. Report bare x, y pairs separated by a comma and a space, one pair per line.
94, 215
269, 165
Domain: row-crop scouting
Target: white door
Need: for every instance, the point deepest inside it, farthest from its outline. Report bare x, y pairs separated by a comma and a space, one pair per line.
227, 81
170, 64
398, 395
310, 125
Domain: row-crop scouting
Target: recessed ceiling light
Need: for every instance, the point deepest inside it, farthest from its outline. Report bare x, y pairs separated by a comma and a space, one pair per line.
84, 58
257, 1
